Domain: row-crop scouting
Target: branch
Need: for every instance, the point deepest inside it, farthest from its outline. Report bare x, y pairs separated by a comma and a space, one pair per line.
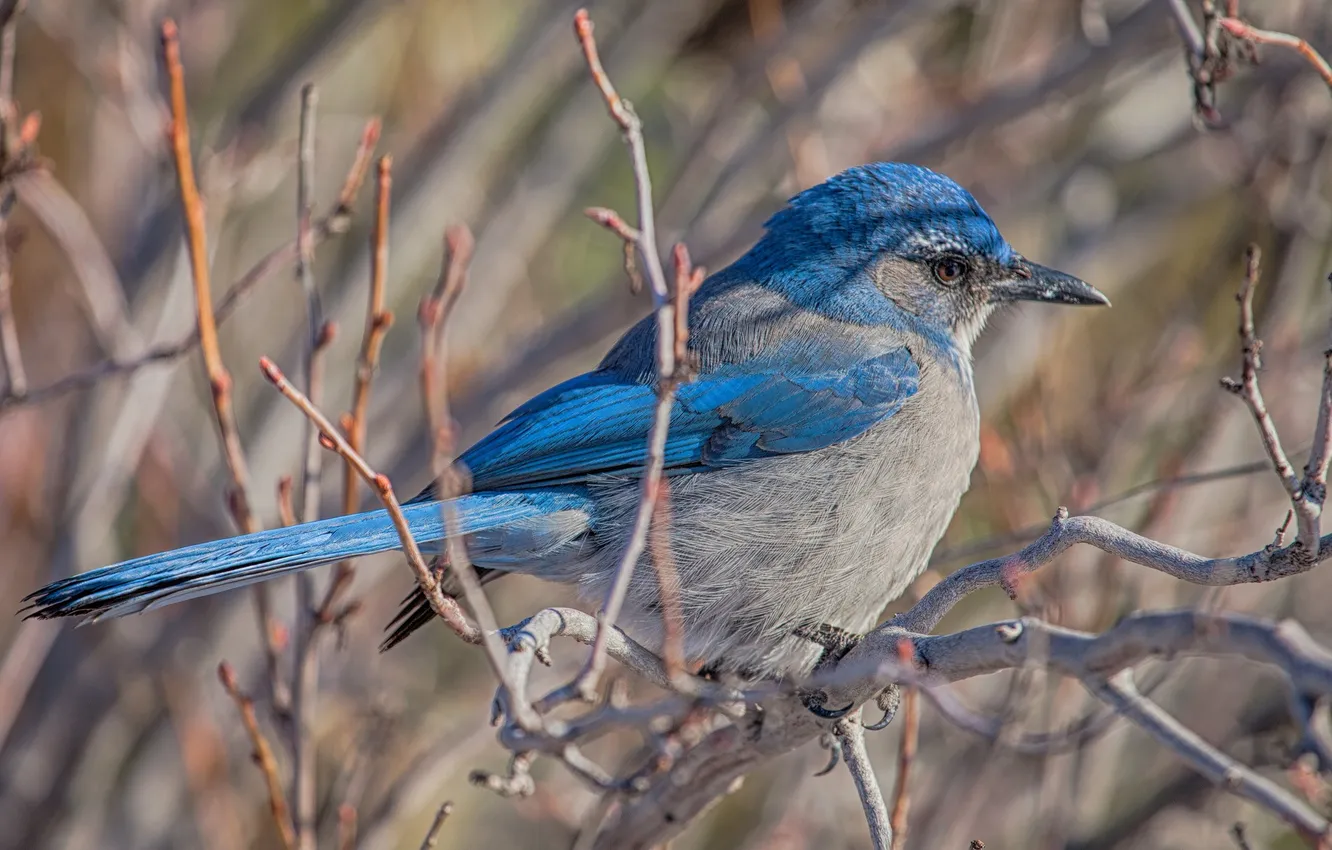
1240, 29
450, 479
432, 835
1220, 769
447, 609
666, 304
305, 690
335, 222
852, 735
378, 320
263, 755
905, 756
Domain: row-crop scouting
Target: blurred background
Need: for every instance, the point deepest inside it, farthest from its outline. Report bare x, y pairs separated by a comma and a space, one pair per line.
1071, 120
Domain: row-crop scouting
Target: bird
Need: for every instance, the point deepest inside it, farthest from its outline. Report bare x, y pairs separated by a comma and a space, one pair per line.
812, 463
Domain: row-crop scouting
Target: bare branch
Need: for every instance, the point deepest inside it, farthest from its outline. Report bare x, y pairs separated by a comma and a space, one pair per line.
852, 735
263, 755
305, 689
432, 835
906, 755
1223, 771
335, 222
447, 609
1240, 29
669, 374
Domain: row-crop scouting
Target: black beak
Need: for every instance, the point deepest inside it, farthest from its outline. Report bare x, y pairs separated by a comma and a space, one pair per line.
1033, 282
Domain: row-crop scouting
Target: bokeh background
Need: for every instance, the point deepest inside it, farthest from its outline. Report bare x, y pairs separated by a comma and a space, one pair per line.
1071, 120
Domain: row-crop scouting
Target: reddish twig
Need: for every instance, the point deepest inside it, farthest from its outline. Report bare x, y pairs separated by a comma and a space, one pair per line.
611, 220
905, 756
377, 322
263, 755
197, 243
1240, 29
346, 827
432, 835
286, 503
447, 609
336, 222
219, 379
668, 589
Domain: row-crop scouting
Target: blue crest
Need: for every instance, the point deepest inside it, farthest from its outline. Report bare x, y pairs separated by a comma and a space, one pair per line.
817, 250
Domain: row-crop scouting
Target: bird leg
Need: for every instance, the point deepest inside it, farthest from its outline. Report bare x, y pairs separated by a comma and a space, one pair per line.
836, 643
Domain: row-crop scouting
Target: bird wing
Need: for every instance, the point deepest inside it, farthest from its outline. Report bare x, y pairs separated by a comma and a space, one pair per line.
787, 402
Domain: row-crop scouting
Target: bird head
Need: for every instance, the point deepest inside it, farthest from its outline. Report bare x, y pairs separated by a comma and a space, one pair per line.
890, 242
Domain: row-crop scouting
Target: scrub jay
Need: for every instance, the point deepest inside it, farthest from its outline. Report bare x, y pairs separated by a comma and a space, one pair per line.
813, 463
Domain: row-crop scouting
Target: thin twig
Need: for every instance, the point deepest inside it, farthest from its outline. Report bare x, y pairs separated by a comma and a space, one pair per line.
668, 375
219, 379
330, 438
377, 322
16, 376
263, 755
1240, 29
197, 242
450, 480
347, 827
13, 146
1305, 501
1120, 692
305, 690
906, 755
432, 835
336, 222
852, 735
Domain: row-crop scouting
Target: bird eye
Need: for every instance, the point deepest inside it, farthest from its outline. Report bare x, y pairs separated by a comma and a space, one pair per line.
950, 269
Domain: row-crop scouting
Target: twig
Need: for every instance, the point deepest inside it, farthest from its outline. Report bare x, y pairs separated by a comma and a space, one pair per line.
449, 479
336, 222
305, 690
432, 835
447, 609
14, 148
852, 736
377, 322
1240, 29
263, 755
668, 589
16, 376
1120, 692
905, 756
1306, 495
197, 242
347, 827
669, 375
219, 379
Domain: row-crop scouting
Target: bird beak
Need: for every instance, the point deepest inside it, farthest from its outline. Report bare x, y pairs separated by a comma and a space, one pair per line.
1033, 282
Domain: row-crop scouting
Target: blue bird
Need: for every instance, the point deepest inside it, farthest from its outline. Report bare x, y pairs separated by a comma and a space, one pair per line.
813, 464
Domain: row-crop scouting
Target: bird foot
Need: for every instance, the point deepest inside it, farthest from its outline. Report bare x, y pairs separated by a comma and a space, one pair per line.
836, 643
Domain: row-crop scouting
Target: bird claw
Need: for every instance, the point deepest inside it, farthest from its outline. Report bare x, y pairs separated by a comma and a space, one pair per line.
833, 745
888, 700
814, 700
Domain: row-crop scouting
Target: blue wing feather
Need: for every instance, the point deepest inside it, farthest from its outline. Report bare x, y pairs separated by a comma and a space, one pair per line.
597, 424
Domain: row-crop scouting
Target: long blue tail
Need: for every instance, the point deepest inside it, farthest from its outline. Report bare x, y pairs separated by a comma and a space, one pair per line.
207, 568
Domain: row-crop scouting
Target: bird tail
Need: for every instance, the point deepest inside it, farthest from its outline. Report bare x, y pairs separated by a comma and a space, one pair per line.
208, 568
